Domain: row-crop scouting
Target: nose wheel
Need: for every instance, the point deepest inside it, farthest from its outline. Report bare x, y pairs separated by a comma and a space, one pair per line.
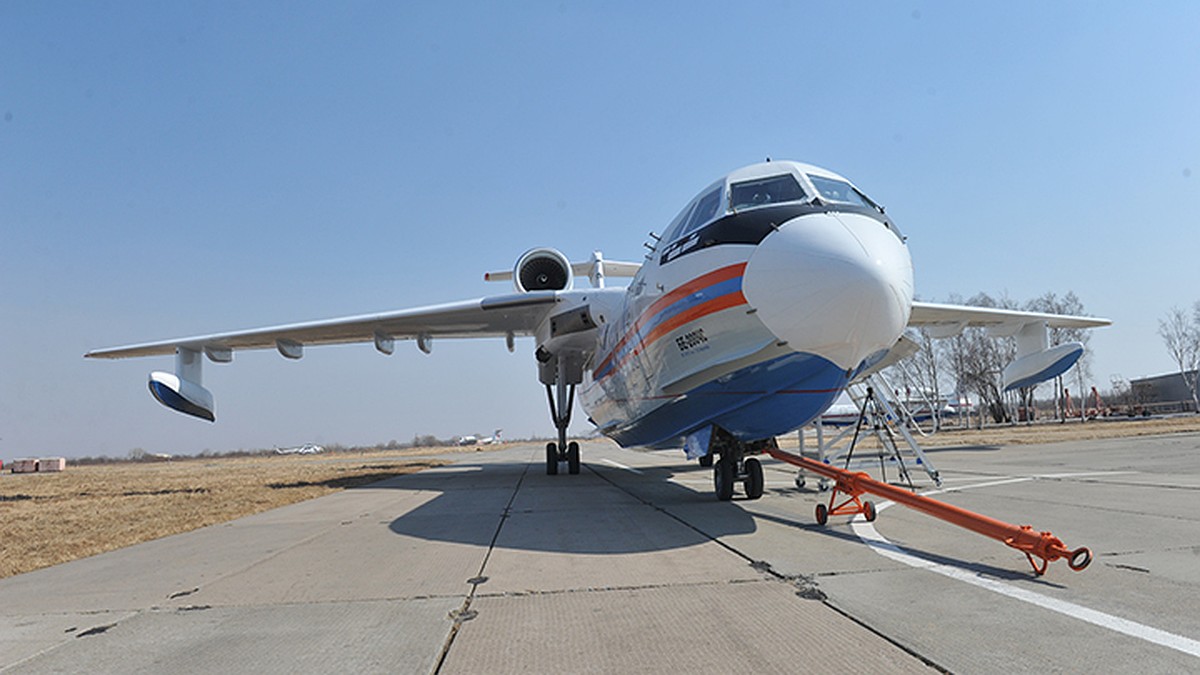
727, 473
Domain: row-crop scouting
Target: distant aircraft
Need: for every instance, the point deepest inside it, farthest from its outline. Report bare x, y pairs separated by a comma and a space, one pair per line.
475, 440
844, 412
772, 290
306, 449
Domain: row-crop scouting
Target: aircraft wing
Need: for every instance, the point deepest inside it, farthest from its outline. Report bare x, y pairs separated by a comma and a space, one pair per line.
1036, 361
930, 314
494, 316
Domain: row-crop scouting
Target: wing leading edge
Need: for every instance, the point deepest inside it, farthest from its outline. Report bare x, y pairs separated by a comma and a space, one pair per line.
494, 316
504, 315
929, 314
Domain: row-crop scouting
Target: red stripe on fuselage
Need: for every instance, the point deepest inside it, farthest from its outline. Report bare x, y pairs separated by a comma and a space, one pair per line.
697, 284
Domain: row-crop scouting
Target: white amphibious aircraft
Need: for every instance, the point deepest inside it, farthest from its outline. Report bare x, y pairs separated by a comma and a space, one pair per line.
773, 289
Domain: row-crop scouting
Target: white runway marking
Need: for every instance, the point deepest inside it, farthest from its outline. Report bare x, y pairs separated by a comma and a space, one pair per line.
866, 531
620, 466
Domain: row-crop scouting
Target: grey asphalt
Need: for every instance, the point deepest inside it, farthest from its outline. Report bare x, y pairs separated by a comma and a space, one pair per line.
488, 565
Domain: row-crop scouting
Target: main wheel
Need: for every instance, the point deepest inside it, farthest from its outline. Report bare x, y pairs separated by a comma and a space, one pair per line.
706, 460
572, 458
754, 478
724, 476
822, 514
551, 459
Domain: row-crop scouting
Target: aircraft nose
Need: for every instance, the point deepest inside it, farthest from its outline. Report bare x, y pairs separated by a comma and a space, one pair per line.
835, 285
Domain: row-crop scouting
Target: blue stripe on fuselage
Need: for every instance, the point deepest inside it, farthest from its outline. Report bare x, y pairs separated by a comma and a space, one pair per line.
681, 305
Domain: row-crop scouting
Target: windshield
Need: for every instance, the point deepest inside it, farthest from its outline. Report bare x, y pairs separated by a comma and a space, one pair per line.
763, 191
833, 190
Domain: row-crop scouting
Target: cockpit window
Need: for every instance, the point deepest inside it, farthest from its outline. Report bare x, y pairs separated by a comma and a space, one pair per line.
706, 210
672, 231
833, 190
765, 191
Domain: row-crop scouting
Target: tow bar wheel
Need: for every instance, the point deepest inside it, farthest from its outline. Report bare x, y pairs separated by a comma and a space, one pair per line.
822, 514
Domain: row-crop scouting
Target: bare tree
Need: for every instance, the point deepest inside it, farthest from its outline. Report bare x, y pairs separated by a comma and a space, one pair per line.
1069, 304
1181, 336
921, 371
977, 360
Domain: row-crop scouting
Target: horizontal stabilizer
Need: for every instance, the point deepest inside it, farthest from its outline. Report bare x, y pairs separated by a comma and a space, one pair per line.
612, 268
595, 269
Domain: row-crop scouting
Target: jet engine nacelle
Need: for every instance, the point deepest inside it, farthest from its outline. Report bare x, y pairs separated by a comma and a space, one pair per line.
183, 395
542, 269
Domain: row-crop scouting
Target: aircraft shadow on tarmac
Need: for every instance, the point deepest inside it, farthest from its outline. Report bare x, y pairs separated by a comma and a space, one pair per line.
513, 505
516, 506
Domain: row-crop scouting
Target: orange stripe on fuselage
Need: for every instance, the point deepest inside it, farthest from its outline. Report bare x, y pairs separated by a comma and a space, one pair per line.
700, 282
710, 307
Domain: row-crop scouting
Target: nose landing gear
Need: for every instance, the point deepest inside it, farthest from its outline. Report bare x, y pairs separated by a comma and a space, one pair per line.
734, 466
727, 473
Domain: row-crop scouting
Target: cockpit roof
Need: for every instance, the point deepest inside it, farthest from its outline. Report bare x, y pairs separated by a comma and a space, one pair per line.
765, 169
743, 205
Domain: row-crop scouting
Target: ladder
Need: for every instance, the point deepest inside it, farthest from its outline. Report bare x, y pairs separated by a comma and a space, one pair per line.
878, 415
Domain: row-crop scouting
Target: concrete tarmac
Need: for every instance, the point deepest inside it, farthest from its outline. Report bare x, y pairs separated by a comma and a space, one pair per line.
489, 565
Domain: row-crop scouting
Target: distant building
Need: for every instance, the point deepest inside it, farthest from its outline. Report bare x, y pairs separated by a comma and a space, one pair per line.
1163, 388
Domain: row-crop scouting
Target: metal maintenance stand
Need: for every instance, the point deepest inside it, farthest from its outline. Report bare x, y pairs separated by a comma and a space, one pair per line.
877, 413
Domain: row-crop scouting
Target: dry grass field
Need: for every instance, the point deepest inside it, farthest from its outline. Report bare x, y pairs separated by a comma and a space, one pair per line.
46, 519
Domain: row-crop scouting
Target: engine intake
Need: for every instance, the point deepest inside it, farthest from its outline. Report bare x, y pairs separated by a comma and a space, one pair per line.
542, 269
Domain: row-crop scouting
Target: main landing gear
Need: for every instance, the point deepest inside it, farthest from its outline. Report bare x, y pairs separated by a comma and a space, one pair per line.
554, 457
561, 396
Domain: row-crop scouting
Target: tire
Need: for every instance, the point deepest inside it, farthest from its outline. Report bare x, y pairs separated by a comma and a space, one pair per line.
724, 476
706, 460
869, 511
754, 478
573, 458
551, 459
822, 514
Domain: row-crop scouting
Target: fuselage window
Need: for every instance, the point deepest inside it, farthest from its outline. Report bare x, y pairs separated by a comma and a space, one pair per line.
841, 192
763, 191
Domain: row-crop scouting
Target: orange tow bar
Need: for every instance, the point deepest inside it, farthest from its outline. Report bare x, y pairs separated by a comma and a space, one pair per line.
853, 485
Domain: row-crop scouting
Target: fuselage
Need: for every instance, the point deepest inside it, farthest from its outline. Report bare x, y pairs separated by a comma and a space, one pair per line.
761, 301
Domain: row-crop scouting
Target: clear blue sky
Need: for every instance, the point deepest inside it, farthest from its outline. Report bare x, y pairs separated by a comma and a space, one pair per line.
177, 168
